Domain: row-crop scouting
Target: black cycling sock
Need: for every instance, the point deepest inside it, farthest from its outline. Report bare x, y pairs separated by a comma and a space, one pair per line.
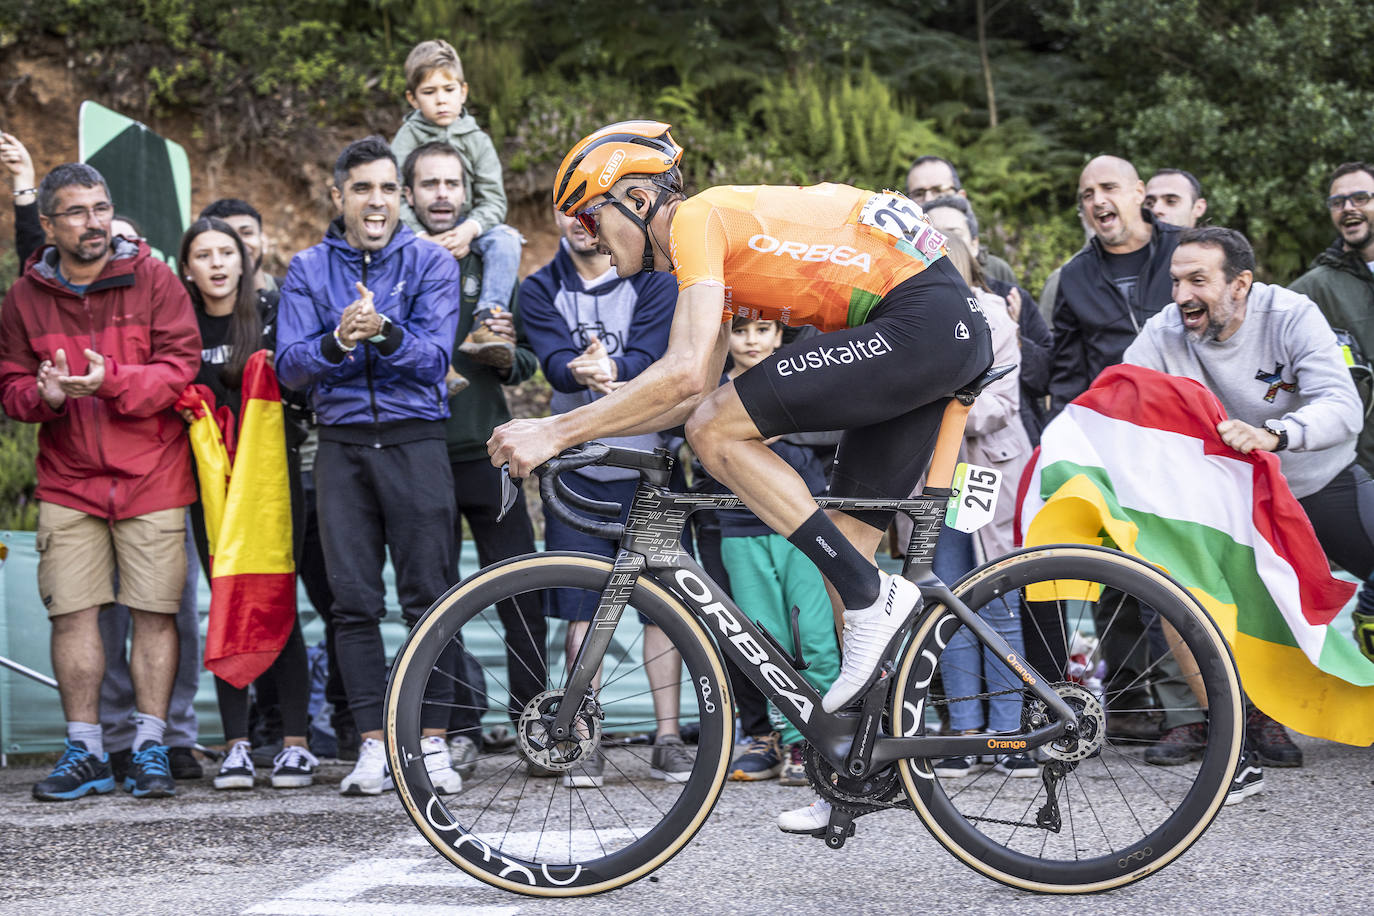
855, 579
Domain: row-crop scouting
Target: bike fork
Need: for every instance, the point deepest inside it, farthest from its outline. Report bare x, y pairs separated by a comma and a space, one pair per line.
614, 598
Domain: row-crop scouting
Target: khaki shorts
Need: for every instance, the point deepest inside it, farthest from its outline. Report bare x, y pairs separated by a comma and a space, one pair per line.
78, 553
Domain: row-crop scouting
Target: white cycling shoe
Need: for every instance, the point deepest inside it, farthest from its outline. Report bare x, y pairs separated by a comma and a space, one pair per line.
810, 820
867, 631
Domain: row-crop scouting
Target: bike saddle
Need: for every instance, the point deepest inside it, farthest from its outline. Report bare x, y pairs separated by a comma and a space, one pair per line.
969, 392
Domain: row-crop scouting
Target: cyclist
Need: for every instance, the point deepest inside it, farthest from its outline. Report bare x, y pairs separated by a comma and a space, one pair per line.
902, 332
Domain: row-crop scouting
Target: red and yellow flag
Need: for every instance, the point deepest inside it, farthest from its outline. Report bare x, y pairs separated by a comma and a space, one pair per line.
248, 522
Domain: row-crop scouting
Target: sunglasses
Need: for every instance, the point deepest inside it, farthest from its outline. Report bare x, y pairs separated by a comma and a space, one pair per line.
587, 217
1358, 198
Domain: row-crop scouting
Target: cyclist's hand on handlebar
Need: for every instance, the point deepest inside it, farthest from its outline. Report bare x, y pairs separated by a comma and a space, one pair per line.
523, 444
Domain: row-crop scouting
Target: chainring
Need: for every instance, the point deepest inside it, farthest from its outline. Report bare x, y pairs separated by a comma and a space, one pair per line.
855, 796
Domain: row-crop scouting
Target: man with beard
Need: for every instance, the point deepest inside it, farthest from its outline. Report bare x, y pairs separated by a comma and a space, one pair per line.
1111, 288
366, 326
1341, 282
1105, 294
432, 181
1341, 278
1285, 389
97, 341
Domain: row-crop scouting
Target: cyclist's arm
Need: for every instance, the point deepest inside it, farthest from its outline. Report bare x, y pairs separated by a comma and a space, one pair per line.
664, 394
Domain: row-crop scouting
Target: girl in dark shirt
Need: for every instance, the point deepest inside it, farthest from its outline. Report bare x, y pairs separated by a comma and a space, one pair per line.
233, 327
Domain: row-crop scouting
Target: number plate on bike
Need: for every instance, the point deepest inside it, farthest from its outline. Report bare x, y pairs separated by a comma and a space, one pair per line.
975, 497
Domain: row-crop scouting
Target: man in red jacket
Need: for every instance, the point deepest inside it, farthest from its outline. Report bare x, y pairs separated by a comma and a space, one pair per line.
97, 340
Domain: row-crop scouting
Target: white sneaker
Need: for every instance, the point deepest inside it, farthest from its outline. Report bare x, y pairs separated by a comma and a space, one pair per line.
814, 817
236, 772
867, 632
369, 776
439, 765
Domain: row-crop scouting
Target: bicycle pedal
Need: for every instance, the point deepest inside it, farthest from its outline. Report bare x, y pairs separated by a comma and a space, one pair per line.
840, 828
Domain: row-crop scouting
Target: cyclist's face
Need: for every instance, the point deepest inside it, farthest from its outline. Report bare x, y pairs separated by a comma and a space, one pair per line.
753, 342
1212, 307
620, 237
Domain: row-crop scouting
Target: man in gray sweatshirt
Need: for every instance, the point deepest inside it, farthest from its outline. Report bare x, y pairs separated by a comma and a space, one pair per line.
1272, 360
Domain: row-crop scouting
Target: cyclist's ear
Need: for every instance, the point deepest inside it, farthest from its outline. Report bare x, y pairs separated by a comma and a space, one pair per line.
639, 204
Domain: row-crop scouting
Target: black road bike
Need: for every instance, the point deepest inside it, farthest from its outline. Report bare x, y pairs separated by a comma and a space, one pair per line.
1095, 816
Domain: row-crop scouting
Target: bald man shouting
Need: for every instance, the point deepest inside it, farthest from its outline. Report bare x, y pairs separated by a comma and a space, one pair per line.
1110, 288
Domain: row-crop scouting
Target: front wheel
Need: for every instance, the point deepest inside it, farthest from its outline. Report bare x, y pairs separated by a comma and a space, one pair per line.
1088, 813
545, 818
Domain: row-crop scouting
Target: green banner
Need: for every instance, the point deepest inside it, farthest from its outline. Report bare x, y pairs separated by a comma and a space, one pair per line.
149, 176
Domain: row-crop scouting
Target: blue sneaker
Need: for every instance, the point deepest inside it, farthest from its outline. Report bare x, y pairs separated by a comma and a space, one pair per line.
78, 772
761, 760
150, 773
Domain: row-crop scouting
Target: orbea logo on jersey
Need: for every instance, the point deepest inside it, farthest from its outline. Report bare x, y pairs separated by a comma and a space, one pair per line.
841, 255
612, 164
842, 355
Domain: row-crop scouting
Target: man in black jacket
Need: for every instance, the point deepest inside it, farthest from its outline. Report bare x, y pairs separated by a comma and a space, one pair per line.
1111, 288
1106, 294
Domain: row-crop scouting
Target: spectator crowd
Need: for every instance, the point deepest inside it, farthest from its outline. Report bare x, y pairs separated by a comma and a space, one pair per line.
389, 344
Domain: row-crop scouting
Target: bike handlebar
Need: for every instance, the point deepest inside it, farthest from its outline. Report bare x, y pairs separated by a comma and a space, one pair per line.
558, 497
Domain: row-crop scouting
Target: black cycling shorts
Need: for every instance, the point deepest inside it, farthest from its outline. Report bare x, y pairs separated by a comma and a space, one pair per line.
885, 383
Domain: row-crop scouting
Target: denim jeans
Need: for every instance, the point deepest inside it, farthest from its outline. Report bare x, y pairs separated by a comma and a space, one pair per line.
963, 670
499, 249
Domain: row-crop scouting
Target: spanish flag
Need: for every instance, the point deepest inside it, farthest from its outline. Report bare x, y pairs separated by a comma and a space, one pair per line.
247, 506
1136, 463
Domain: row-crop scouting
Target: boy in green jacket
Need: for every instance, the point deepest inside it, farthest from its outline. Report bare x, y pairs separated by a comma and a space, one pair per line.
437, 92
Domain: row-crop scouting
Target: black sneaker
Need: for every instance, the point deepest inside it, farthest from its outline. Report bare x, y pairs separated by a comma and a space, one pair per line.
1271, 742
78, 772
150, 774
119, 764
236, 771
955, 767
293, 768
1249, 778
1178, 745
1017, 765
184, 763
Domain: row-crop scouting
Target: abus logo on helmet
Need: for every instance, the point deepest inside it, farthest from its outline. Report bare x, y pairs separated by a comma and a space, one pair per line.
608, 173
841, 255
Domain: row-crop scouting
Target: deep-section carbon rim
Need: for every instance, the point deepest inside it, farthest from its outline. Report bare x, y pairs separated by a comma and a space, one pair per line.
1121, 816
529, 833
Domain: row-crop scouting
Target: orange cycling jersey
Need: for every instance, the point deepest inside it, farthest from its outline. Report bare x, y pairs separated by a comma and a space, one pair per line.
822, 255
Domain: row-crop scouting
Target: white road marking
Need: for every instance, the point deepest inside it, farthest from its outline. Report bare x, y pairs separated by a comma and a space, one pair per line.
344, 891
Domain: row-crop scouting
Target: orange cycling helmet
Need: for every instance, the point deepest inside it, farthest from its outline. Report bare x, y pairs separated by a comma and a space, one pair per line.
599, 160
603, 157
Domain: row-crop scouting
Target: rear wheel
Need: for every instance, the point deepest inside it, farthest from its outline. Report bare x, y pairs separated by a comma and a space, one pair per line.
1097, 811
531, 817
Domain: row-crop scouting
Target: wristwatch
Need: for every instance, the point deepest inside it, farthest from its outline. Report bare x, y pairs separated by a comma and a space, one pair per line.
381, 335
1278, 429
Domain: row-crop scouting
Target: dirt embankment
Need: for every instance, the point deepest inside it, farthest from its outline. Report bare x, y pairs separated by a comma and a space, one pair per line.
41, 93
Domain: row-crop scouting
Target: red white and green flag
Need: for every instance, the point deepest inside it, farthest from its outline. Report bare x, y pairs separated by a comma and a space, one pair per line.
1136, 463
